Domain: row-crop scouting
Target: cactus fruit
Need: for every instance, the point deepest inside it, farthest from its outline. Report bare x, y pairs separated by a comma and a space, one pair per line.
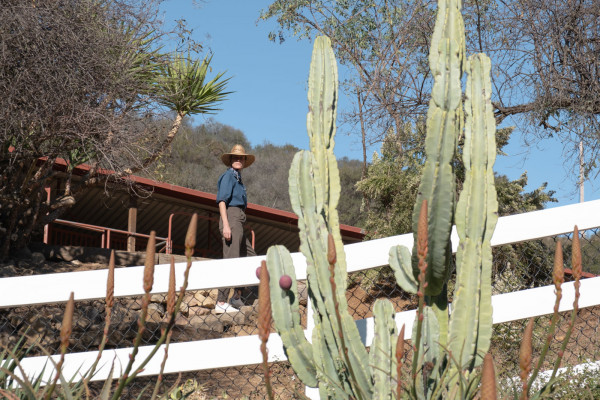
258, 272
285, 282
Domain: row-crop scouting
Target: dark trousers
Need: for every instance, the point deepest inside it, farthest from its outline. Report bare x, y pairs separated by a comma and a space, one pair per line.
239, 245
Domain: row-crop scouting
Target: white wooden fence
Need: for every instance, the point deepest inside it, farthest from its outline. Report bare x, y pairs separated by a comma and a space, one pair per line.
244, 350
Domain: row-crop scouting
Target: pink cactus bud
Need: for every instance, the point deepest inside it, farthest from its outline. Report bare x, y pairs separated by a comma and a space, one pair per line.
285, 282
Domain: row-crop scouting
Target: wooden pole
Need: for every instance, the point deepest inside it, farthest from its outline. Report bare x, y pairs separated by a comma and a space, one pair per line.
132, 222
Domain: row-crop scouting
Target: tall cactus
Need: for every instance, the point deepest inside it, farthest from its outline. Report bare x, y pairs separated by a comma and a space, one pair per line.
476, 216
337, 357
444, 122
336, 361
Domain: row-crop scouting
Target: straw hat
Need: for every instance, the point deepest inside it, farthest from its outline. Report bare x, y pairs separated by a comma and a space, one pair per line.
237, 150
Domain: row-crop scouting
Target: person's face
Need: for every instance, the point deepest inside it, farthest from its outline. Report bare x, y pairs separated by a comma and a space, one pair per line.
238, 162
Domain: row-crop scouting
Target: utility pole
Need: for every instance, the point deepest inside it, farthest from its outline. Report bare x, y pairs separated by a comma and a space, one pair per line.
581, 172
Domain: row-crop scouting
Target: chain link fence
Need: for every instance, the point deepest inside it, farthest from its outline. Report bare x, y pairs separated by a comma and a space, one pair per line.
516, 267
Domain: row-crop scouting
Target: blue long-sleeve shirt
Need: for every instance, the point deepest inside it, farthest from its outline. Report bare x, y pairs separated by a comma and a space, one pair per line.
231, 190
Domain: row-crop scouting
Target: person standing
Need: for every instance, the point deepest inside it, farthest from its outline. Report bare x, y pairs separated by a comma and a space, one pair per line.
232, 201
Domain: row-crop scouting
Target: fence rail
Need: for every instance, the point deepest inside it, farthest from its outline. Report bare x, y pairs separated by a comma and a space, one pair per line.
89, 285
242, 350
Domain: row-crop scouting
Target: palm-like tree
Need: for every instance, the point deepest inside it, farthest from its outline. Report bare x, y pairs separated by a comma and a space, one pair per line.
184, 88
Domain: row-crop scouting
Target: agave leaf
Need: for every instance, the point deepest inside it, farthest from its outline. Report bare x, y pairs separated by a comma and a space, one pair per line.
105, 392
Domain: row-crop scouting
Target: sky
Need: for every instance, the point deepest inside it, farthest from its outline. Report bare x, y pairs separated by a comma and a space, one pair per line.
269, 103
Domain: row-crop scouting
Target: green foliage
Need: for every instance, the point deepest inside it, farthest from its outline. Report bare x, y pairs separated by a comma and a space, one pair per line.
573, 385
183, 86
351, 200
393, 177
89, 90
513, 200
391, 184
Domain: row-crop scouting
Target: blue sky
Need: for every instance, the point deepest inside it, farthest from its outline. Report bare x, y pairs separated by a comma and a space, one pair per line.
270, 84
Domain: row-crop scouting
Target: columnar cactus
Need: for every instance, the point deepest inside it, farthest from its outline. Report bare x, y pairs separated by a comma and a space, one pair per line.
444, 122
336, 361
470, 327
337, 358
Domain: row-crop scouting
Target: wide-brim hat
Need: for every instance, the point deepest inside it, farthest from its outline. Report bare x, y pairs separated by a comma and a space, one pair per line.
238, 150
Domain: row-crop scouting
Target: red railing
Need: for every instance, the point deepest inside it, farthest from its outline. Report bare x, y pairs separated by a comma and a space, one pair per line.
105, 239
109, 240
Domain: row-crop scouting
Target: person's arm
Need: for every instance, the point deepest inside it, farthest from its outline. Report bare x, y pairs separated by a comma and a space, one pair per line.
226, 227
224, 193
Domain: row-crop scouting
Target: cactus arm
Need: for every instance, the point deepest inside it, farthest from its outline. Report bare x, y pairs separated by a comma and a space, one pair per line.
400, 263
321, 127
476, 217
381, 356
284, 304
444, 119
439, 306
334, 381
320, 120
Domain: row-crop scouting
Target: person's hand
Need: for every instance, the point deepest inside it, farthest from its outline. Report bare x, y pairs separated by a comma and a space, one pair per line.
227, 232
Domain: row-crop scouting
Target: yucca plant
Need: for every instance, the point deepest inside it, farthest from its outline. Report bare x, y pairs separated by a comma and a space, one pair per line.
183, 87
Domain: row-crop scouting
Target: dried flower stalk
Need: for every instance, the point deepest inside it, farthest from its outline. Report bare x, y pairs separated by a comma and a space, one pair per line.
190, 237
126, 378
488, 379
108, 306
422, 249
577, 268
558, 277
65, 333
171, 314
149, 264
264, 323
525, 355
171, 293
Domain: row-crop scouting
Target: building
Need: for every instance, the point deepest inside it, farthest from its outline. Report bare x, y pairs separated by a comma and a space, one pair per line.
106, 217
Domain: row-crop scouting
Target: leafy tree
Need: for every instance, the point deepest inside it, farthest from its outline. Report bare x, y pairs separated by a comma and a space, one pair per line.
85, 81
349, 207
391, 184
545, 57
392, 181
385, 44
